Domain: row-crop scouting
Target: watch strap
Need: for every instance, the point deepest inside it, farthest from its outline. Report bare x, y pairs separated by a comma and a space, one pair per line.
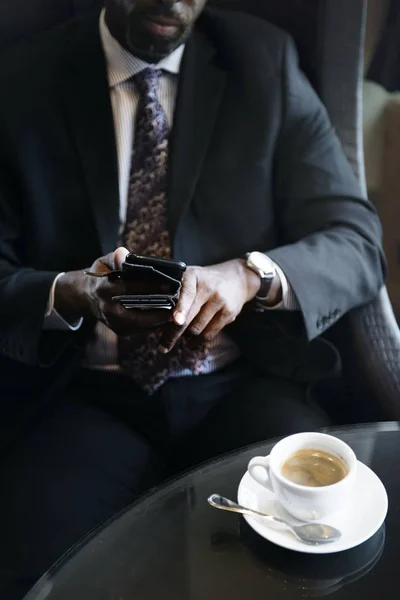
266, 279
265, 288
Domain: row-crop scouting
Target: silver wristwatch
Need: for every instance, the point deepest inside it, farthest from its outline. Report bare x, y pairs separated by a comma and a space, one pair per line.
265, 268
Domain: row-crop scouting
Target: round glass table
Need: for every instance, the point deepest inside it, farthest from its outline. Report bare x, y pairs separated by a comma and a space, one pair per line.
172, 545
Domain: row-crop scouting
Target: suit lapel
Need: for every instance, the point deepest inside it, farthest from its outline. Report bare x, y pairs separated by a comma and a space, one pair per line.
200, 91
86, 99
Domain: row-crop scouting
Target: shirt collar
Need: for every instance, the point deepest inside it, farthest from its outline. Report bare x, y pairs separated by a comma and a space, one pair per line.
122, 65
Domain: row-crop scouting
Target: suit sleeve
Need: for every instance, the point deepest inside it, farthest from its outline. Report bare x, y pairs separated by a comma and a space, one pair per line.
331, 252
24, 291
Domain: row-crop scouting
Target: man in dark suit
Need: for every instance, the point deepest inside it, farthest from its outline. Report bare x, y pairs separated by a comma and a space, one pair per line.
234, 168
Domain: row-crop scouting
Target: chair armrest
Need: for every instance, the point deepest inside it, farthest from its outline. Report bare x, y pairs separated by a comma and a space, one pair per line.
375, 338
389, 198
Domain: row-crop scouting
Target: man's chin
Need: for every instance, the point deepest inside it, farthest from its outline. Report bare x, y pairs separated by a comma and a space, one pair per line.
153, 53
154, 47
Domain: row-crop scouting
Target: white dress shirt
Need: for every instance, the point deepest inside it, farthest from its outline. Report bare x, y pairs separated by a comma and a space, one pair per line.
121, 68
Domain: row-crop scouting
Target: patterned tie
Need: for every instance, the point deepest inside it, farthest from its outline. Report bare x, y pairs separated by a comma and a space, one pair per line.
146, 233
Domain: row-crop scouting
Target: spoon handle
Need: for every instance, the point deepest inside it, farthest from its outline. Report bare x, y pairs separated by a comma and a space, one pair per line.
224, 504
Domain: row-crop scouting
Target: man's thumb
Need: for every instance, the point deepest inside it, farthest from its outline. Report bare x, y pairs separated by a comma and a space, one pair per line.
119, 257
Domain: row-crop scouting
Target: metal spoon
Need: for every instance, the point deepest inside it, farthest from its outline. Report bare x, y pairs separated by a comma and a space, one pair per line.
309, 533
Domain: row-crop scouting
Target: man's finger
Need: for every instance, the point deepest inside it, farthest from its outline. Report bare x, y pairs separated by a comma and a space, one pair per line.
216, 325
102, 265
187, 298
119, 257
206, 315
172, 334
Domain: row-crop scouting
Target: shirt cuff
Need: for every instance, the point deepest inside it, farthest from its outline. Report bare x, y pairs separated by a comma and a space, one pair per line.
54, 321
289, 300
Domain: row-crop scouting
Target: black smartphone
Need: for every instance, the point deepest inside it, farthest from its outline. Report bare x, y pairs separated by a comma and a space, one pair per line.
160, 273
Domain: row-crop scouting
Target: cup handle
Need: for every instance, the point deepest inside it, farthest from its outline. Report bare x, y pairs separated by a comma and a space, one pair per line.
254, 471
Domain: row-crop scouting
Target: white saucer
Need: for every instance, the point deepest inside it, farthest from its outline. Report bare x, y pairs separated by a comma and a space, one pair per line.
363, 517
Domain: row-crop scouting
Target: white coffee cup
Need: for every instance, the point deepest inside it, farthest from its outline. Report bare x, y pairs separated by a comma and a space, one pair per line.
305, 502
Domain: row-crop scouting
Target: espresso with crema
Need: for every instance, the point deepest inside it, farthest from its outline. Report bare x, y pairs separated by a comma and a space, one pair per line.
314, 468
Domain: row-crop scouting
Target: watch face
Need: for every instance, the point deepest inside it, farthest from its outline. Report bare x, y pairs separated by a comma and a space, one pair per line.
262, 263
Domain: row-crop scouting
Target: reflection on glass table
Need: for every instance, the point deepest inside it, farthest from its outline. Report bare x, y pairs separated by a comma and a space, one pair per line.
320, 576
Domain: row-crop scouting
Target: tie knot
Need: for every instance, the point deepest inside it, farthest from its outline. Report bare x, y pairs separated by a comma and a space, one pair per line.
147, 81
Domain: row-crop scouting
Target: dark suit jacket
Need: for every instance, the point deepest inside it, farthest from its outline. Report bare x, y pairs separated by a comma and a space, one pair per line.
255, 165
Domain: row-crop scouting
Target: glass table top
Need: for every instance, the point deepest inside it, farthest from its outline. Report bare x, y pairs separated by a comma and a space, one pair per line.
170, 544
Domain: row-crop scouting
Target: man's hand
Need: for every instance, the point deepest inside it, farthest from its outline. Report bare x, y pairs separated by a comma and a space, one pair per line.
211, 298
79, 295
